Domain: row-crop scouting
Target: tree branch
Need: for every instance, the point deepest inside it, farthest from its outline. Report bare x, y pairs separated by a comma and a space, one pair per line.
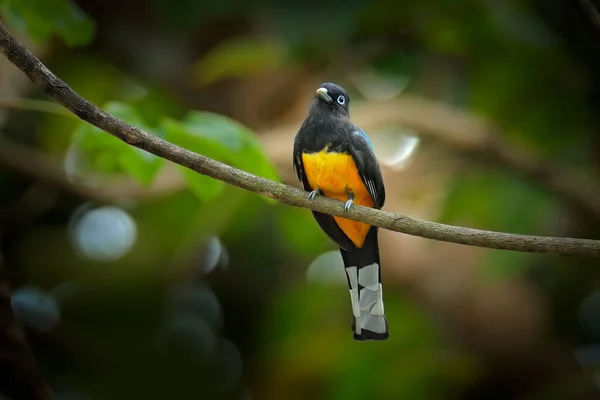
468, 134
38, 166
63, 94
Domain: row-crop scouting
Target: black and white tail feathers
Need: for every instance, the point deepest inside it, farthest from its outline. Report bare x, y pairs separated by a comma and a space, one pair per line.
364, 279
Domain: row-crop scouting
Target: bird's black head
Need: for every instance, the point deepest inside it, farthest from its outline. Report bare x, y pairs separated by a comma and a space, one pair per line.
333, 98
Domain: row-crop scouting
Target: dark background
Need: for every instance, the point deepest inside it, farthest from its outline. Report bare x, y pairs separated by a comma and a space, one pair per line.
136, 279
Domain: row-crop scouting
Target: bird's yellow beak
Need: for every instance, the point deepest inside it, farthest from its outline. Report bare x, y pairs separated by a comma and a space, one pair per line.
322, 93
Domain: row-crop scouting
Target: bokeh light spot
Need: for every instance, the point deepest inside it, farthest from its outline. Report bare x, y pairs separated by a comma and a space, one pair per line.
327, 268
589, 358
395, 146
36, 308
215, 255
104, 233
589, 314
197, 298
379, 86
187, 335
229, 365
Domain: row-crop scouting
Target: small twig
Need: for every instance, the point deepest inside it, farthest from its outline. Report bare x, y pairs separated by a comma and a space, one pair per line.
63, 94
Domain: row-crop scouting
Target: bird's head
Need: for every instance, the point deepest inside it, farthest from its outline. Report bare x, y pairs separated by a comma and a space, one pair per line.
333, 98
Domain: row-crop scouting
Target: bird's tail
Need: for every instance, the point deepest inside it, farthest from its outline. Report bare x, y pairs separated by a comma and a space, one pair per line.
364, 279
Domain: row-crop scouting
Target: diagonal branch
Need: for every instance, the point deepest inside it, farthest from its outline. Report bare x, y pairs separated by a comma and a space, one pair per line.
41, 167
474, 135
63, 94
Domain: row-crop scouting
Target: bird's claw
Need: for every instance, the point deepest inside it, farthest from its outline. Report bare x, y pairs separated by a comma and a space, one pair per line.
348, 204
313, 194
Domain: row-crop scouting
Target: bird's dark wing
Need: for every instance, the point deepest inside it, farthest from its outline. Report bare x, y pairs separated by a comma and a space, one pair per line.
367, 165
325, 221
298, 166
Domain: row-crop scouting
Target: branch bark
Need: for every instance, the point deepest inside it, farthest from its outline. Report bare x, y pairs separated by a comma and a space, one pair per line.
469, 134
63, 94
38, 166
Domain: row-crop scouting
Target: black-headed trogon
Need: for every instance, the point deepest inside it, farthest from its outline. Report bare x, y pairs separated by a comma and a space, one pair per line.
334, 158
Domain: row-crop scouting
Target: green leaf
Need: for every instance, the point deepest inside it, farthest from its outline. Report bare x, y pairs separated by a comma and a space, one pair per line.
220, 138
43, 18
105, 153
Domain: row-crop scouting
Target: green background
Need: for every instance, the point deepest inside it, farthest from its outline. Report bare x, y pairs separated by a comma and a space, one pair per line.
136, 278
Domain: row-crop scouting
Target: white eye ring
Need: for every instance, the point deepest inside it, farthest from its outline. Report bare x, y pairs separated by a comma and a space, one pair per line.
341, 99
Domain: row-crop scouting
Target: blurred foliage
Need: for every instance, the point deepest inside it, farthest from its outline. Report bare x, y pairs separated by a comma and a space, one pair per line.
42, 18
414, 365
239, 58
165, 320
107, 154
209, 134
222, 139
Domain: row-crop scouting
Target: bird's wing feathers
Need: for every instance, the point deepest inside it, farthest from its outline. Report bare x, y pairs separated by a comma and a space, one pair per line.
367, 165
297, 163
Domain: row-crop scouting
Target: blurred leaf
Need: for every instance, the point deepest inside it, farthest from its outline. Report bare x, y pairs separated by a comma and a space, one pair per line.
43, 18
205, 187
237, 58
220, 138
36, 307
236, 138
102, 82
108, 154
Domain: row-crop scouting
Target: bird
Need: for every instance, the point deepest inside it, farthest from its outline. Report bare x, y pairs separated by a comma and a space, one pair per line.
334, 158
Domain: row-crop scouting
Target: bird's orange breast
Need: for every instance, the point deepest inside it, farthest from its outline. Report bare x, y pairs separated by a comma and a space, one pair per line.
336, 175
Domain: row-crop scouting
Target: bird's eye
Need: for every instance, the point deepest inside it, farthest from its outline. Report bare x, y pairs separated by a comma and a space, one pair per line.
341, 99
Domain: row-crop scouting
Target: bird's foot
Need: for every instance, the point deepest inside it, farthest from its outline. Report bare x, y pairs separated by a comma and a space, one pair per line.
348, 204
313, 194
350, 200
